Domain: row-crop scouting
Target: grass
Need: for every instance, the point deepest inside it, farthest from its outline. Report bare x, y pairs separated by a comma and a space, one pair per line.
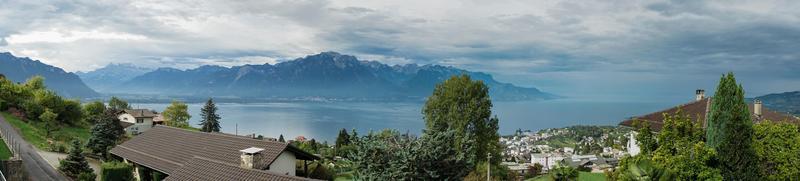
346, 176
5, 153
582, 176
35, 133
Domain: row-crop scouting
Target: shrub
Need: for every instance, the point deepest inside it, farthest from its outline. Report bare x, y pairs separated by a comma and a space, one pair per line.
116, 171
87, 176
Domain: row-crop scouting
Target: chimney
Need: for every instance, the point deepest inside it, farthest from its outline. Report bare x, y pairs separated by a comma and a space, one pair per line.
251, 158
757, 108
699, 94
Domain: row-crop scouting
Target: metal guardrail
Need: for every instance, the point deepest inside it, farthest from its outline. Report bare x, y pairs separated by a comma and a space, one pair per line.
13, 146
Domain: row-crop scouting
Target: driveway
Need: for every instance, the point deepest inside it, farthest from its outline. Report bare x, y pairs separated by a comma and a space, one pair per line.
37, 168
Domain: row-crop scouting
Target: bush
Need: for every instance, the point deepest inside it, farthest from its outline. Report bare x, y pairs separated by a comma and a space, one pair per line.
87, 176
113, 171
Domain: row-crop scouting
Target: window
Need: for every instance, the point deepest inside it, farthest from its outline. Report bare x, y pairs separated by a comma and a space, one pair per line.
139, 120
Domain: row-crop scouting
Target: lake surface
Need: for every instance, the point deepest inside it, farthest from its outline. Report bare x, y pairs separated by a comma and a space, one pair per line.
323, 120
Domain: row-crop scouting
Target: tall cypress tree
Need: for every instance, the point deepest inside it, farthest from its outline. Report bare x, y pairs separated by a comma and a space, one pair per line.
210, 122
730, 131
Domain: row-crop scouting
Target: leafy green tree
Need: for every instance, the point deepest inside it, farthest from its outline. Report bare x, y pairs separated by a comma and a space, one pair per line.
777, 146
564, 173
94, 111
72, 112
644, 137
50, 122
210, 118
118, 104
640, 168
436, 159
104, 136
682, 151
177, 115
730, 131
35, 83
75, 163
463, 105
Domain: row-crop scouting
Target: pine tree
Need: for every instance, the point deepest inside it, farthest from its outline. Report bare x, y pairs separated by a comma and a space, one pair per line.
104, 136
75, 163
280, 139
210, 122
730, 131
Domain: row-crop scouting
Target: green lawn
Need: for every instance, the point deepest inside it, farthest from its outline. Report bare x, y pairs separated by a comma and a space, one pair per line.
582, 176
35, 133
5, 153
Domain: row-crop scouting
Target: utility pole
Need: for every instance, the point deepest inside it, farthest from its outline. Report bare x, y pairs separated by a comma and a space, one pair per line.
488, 167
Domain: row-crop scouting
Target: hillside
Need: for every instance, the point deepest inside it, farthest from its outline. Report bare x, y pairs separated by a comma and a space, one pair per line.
66, 84
107, 78
782, 102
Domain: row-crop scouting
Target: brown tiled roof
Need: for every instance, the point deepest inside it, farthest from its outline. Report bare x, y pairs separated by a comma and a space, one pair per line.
140, 113
166, 148
697, 111
200, 168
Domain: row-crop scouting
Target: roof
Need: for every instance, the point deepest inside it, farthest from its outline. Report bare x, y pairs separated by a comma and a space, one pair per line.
697, 111
166, 149
140, 113
125, 124
200, 168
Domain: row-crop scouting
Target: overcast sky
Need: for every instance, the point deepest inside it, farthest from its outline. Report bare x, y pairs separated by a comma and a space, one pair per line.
643, 50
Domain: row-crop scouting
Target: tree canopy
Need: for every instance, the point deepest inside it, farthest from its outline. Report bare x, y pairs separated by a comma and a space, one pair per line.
777, 146
75, 163
177, 115
118, 104
210, 118
730, 131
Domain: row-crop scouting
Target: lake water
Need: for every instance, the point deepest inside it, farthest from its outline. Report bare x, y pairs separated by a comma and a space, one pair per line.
323, 120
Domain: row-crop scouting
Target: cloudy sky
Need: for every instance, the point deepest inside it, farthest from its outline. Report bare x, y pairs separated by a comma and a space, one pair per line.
612, 49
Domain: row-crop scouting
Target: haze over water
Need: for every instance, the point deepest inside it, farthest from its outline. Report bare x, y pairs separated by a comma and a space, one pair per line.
323, 120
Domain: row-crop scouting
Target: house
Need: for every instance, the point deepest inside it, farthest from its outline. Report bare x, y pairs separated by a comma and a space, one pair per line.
548, 161
696, 111
136, 121
192, 155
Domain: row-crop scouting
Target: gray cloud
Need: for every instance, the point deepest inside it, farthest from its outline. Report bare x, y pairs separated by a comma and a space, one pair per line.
579, 48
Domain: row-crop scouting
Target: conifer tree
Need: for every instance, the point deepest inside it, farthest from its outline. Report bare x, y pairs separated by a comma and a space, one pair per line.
730, 131
280, 139
104, 135
210, 122
75, 163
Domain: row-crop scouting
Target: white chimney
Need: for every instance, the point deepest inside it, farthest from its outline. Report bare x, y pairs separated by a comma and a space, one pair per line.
700, 94
757, 108
251, 158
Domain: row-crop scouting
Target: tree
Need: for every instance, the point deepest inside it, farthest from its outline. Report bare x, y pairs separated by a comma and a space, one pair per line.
564, 173
35, 83
777, 146
640, 168
210, 118
463, 105
280, 139
534, 170
177, 115
104, 136
730, 131
343, 138
87, 176
75, 163
644, 137
681, 150
114, 170
118, 104
94, 111
50, 122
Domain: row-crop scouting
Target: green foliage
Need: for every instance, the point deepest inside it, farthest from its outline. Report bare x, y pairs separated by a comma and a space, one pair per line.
480, 173
177, 115
682, 151
777, 146
35, 83
92, 112
75, 163
342, 140
321, 172
5, 153
463, 105
104, 135
87, 176
210, 118
644, 137
730, 131
534, 170
116, 171
564, 173
50, 122
389, 155
640, 168
117, 104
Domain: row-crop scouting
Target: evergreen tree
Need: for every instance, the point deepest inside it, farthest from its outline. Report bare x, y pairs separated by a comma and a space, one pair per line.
280, 139
463, 105
177, 115
342, 139
730, 131
210, 121
104, 136
75, 163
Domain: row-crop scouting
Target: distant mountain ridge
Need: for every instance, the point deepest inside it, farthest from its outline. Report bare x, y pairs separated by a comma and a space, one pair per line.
324, 75
66, 84
111, 75
787, 102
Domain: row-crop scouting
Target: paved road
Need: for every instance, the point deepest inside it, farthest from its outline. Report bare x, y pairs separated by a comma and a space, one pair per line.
35, 165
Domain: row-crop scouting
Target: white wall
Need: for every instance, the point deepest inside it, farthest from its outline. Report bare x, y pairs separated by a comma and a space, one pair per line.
633, 145
285, 164
138, 127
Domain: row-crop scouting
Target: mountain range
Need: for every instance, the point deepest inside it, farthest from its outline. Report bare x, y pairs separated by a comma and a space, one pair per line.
20, 69
324, 75
104, 79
